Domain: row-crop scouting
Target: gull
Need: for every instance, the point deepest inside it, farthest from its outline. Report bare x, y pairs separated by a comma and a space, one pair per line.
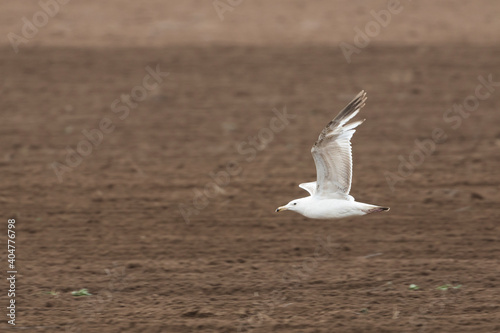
329, 195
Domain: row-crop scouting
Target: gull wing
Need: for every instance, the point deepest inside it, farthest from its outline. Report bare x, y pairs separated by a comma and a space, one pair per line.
309, 187
332, 152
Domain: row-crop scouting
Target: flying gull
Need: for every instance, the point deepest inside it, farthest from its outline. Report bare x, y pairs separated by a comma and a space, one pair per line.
329, 194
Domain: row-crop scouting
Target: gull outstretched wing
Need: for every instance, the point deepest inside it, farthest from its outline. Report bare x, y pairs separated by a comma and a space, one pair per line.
309, 187
332, 152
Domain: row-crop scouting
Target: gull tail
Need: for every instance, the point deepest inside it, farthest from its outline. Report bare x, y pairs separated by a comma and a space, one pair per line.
375, 209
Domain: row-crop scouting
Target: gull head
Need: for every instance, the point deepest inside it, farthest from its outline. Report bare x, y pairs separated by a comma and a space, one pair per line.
294, 205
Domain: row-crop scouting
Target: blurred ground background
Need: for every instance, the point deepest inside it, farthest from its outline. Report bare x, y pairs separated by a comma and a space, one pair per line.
114, 224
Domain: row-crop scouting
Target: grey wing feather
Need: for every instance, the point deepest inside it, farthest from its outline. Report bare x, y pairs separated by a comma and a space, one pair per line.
309, 187
332, 152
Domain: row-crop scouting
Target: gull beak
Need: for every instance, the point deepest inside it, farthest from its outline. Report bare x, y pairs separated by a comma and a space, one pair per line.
279, 209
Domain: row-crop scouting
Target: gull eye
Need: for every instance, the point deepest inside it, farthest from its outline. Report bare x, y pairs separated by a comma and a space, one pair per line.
295, 204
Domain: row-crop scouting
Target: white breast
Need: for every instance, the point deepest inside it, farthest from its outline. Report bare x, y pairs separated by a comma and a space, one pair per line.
333, 209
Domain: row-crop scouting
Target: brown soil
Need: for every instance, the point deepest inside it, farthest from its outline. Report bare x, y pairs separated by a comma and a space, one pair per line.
115, 224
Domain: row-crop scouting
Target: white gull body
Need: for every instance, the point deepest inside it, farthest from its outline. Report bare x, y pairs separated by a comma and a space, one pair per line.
329, 194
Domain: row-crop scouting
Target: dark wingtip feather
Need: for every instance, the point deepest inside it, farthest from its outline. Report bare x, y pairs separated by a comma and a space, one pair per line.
357, 103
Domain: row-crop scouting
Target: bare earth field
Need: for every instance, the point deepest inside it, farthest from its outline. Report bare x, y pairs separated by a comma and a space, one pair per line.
114, 226
168, 220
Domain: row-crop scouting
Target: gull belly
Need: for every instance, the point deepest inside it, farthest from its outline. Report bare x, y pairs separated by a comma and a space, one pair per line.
335, 208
